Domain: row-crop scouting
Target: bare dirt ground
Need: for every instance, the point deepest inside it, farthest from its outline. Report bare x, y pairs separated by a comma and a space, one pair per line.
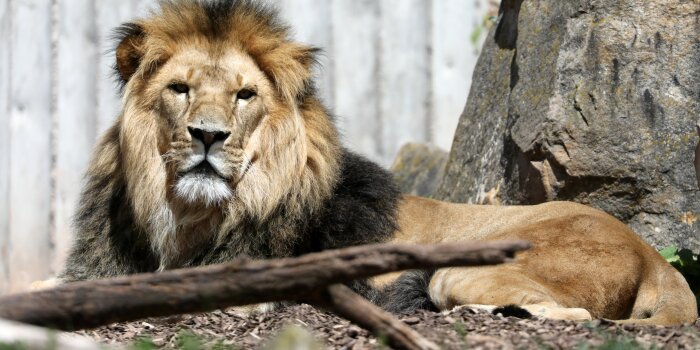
457, 329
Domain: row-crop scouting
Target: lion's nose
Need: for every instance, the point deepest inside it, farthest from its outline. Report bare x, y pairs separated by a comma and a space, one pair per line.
208, 137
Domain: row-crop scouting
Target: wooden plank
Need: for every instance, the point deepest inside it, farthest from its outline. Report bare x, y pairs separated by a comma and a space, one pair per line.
453, 60
404, 74
75, 110
5, 68
311, 23
356, 56
30, 136
110, 14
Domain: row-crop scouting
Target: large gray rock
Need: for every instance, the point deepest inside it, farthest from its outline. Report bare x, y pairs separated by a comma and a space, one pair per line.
590, 101
419, 168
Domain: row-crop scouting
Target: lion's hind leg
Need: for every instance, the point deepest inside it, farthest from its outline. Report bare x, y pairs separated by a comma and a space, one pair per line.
543, 310
495, 287
663, 299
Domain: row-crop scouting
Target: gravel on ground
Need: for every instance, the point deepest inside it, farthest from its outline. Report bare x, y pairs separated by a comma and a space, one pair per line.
456, 329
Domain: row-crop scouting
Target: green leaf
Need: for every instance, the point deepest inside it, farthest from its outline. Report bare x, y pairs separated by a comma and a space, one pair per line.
476, 35
669, 252
187, 340
143, 343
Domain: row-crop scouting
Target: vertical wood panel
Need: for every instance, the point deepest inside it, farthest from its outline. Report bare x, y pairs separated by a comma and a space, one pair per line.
356, 64
30, 153
453, 60
311, 23
5, 70
404, 77
76, 107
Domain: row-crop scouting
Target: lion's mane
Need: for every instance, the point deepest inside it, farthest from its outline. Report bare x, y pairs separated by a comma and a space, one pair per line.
308, 193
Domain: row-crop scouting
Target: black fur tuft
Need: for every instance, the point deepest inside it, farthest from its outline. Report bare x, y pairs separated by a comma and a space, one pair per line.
362, 210
512, 311
408, 293
220, 11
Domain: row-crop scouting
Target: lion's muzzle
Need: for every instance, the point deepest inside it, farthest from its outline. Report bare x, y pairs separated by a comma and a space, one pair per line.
205, 174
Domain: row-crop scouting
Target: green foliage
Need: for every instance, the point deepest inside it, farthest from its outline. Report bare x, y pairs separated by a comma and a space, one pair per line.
185, 340
460, 329
294, 337
682, 259
189, 341
480, 30
686, 262
620, 344
614, 342
12, 346
144, 343
382, 342
475, 35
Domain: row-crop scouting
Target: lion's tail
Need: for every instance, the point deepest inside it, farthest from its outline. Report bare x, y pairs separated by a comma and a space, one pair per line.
407, 294
664, 298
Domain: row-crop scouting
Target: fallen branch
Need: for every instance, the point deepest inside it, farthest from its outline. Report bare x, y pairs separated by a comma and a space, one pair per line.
91, 304
348, 304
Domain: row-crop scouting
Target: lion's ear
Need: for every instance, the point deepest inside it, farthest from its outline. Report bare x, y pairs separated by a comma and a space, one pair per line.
129, 50
291, 67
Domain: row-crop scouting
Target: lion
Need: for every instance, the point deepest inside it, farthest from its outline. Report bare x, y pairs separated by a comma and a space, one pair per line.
223, 149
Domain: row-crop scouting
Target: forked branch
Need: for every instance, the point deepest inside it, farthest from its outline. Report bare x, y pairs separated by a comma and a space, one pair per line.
95, 303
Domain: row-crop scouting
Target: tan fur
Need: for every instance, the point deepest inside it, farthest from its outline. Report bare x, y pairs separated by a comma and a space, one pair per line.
581, 258
289, 150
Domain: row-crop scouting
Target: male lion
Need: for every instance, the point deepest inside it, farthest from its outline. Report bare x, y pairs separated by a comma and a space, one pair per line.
223, 149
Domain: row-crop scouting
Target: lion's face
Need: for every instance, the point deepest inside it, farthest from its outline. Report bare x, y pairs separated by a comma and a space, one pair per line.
209, 107
220, 126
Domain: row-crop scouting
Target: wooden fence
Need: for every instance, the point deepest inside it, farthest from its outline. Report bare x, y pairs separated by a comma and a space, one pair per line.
393, 71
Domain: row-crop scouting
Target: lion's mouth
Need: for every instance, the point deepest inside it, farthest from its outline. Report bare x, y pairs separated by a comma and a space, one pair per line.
204, 184
204, 168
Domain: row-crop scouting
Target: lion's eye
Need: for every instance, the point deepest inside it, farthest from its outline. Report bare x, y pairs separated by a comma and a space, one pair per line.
245, 94
179, 88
